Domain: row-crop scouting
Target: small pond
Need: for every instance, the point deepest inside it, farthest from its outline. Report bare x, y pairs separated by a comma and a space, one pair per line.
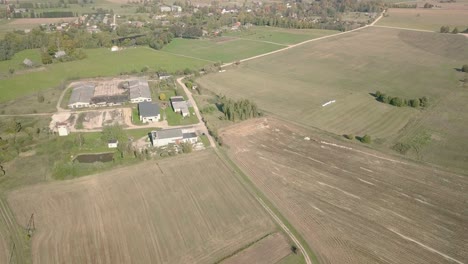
90, 158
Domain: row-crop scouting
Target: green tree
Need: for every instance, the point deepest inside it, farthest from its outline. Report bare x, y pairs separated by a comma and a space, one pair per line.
366, 139
118, 133
464, 68
455, 31
396, 101
162, 96
414, 103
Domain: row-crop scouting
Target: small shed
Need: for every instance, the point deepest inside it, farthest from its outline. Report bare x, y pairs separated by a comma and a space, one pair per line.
112, 143
115, 48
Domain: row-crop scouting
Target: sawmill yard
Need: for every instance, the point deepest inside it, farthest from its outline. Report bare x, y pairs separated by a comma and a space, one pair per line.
350, 203
295, 83
188, 209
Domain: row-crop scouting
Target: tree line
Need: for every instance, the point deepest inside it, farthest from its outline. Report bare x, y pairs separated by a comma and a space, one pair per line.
400, 102
238, 110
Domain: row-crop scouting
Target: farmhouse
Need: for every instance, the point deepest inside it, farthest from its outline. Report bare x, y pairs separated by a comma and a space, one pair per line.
139, 91
180, 105
81, 96
172, 136
62, 129
149, 112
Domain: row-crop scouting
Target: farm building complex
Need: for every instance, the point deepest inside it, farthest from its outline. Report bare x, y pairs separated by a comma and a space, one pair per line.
109, 93
172, 136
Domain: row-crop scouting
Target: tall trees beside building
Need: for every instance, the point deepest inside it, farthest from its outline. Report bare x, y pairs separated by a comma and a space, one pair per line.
239, 110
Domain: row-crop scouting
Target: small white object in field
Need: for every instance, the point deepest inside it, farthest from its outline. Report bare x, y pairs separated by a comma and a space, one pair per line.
222, 70
307, 138
329, 102
277, 130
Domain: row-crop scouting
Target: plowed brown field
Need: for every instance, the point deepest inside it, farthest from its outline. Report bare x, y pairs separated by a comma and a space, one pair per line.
187, 209
270, 249
353, 204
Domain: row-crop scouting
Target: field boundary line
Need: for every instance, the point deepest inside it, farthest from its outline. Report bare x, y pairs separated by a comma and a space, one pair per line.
280, 220
412, 29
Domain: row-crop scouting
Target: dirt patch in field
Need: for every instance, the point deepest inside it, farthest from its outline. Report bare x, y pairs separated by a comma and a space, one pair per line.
186, 209
38, 21
269, 250
353, 204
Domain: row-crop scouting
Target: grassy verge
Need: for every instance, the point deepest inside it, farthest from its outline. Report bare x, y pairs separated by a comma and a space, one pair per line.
176, 119
136, 118
256, 192
205, 141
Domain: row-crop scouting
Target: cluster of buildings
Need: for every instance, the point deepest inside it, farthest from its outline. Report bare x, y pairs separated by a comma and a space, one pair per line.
150, 111
87, 94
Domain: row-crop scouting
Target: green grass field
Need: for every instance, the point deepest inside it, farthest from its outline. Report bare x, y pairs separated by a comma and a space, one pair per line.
100, 62
426, 19
295, 83
279, 35
227, 50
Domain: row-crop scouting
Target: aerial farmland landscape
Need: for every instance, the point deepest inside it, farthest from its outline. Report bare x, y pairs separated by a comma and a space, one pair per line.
234, 132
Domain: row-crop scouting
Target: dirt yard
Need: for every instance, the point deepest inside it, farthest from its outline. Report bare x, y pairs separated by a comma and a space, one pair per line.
186, 209
98, 119
269, 250
353, 204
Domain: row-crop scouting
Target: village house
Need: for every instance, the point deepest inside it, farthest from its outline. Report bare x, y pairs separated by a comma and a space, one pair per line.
179, 105
149, 112
173, 136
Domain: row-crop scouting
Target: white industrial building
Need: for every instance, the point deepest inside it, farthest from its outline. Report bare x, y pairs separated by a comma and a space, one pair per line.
172, 136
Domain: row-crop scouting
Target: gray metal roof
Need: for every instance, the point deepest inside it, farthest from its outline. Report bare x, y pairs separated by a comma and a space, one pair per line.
147, 109
177, 99
82, 93
189, 135
139, 88
169, 133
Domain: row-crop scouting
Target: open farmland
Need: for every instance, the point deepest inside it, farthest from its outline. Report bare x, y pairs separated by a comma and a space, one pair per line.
223, 49
100, 62
188, 209
426, 19
270, 249
279, 35
353, 204
347, 69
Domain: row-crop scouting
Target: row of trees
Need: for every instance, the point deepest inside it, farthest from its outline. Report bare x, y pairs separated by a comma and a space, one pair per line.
397, 101
238, 110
